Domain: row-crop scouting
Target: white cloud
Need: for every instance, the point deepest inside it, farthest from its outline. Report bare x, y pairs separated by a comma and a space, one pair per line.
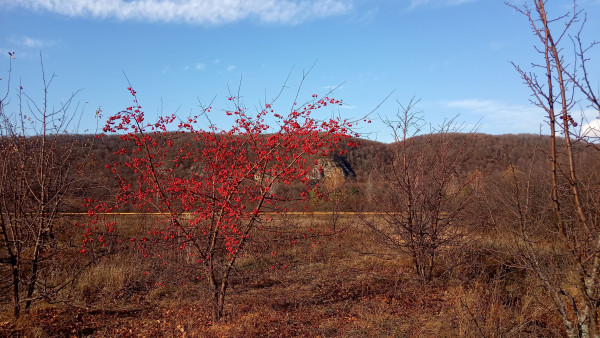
418, 3
501, 117
497, 117
591, 131
200, 66
230, 68
30, 42
458, 2
333, 87
495, 45
365, 16
590, 123
194, 11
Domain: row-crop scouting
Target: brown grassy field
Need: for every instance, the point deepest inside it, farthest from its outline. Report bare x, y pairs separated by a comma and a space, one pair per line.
329, 283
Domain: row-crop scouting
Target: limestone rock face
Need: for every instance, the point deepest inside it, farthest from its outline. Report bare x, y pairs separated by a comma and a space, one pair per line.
336, 167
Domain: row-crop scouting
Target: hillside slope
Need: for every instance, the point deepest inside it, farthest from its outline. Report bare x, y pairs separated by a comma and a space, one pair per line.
488, 154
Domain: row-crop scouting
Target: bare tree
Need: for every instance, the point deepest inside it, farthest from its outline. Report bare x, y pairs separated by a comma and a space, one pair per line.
424, 202
37, 176
557, 84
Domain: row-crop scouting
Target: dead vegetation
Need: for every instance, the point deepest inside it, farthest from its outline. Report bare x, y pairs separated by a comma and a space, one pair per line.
324, 284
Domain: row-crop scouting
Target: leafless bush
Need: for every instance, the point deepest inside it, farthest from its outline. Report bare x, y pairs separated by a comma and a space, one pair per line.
562, 250
425, 203
38, 175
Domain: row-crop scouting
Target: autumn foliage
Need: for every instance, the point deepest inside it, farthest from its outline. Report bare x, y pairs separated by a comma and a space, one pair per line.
209, 212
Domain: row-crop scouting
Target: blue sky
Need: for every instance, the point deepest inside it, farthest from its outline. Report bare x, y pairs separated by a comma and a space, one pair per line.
452, 54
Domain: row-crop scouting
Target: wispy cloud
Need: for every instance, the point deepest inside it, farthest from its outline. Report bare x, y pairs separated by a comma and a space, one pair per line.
516, 119
333, 87
230, 68
365, 16
500, 116
194, 11
200, 66
591, 130
30, 42
419, 3
496, 45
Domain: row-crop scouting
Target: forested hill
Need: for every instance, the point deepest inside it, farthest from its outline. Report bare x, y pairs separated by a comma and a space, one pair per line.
490, 155
483, 152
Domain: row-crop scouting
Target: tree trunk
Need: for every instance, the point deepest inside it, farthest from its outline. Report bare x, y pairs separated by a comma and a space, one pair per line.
15, 281
218, 305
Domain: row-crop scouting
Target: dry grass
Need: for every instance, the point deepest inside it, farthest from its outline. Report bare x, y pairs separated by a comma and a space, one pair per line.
324, 285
